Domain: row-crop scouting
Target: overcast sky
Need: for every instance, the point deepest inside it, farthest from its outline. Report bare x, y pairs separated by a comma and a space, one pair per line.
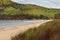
45, 3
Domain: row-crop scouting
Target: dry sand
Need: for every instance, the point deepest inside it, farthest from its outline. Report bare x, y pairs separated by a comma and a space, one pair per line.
7, 33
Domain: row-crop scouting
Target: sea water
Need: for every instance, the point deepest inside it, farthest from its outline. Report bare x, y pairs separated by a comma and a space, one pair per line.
11, 23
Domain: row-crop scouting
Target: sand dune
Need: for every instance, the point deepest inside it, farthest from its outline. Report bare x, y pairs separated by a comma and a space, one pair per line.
7, 33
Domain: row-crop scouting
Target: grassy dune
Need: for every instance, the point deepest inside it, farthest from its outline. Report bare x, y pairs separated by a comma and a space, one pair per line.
47, 31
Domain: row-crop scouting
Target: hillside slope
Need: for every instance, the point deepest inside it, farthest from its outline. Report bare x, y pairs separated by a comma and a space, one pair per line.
7, 7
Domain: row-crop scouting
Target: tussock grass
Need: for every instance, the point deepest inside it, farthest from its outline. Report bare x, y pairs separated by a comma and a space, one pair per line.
47, 31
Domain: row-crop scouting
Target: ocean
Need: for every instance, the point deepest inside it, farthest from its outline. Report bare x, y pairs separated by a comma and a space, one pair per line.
12, 23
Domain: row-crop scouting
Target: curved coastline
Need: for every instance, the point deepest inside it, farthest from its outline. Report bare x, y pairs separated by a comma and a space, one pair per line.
7, 33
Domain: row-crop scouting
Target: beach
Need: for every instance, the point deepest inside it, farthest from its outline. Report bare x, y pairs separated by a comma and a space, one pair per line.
8, 33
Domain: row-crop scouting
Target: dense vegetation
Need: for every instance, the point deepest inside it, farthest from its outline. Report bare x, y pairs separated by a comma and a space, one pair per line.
9, 8
5, 2
47, 31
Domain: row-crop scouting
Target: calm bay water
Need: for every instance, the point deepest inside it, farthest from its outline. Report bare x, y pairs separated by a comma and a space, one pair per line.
11, 23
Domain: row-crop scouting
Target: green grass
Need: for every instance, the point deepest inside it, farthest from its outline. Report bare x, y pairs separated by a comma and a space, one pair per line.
47, 31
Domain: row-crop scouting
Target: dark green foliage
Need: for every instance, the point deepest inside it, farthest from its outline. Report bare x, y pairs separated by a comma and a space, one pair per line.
47, 31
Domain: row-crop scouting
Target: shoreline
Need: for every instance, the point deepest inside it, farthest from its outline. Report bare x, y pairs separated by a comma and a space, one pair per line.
12, 23
7, 33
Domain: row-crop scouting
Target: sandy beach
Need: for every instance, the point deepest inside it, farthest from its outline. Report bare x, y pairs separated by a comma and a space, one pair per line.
7, 33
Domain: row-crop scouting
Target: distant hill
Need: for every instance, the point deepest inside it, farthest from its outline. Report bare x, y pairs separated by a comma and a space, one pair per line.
7, 7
